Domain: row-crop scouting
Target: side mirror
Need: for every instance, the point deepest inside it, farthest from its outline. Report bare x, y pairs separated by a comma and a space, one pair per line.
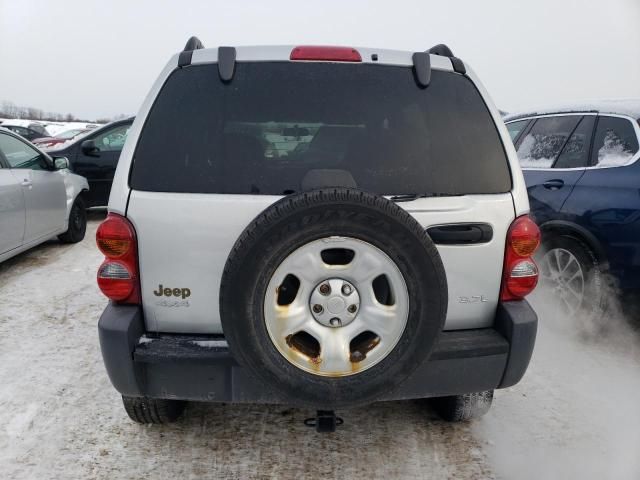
90, 148
61, 163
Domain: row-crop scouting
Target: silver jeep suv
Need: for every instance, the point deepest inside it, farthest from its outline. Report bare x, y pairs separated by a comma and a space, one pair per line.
316, 226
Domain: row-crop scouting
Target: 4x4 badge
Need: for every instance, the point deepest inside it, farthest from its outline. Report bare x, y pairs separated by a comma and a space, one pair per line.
169, 292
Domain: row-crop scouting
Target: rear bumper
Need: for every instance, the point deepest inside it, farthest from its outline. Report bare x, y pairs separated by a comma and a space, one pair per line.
201, 368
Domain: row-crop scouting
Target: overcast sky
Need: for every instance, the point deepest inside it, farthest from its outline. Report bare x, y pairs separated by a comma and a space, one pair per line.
99, 58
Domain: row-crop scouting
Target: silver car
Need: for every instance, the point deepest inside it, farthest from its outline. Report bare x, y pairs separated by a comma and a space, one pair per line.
316, 226
39, 197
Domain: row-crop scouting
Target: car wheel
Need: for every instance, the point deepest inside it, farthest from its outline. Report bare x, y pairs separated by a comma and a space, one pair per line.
333, 297
77, 223
571, 274
460, 408
152, 410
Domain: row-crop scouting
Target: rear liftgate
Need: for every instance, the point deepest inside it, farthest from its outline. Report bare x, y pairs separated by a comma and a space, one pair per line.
326, 420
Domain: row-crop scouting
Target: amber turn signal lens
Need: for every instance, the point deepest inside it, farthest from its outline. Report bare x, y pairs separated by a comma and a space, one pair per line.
524, 236
114, 237
113, 248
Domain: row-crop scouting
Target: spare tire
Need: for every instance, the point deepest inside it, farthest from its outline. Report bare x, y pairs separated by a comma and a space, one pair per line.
333, 297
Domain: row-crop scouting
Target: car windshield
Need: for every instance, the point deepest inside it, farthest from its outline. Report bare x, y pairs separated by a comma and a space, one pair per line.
276, 125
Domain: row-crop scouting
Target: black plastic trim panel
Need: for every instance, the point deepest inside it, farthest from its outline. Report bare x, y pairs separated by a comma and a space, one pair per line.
184, 58
120, 328
201, 368
422, 68
469, 343
518, 323
458, 65
226, 63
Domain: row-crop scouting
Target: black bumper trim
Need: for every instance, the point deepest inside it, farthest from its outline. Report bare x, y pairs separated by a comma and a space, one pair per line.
168, 348
120, 328
201, 367
518, 323
469, 343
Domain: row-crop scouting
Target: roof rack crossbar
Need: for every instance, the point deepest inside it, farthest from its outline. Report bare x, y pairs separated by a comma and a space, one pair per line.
193, 43
184, 58
444, 51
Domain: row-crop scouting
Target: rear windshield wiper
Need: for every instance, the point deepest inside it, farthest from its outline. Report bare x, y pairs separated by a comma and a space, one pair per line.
408, 197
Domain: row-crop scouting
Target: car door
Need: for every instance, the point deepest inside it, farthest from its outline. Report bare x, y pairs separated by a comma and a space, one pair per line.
606, 200
12, 208
554, 153
43, 189
99, 165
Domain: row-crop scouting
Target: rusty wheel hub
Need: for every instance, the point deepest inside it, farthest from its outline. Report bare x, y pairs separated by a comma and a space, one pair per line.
336, 306
334, 302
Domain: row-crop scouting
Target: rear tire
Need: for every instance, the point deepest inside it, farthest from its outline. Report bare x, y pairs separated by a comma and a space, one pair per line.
571, 273
152, 410
461, 408
77, 223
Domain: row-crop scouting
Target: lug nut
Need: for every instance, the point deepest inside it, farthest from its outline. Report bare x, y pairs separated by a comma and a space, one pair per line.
346, 289
317, 308
352, 308
335, 322
325, 289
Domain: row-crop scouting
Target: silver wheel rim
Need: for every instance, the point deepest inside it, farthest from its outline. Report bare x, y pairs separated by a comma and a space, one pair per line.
338, 351
562, 273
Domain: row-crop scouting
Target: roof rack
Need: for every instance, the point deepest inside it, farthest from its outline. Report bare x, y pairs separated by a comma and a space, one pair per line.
422, 63
226, 58
444, 51
193, 43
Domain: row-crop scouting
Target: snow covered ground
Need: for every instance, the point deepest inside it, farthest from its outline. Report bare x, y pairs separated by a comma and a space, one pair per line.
574, 415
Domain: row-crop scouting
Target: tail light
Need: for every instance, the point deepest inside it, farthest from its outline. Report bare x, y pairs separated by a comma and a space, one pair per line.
326, 54
520, 275
118, 275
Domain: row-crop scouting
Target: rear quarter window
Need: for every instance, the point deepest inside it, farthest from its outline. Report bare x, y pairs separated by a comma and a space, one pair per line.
276, 123
615, 142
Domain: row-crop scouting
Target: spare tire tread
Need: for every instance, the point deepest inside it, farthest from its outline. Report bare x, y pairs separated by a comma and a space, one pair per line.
289, 204
269, 235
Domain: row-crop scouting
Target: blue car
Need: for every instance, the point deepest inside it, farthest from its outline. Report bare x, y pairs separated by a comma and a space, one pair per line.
583, 178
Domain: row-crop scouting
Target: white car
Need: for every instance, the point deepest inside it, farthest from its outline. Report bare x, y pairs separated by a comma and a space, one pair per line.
39, 197
316, 226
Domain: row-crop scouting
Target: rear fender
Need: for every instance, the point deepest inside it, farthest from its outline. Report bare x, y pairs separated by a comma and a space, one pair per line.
565, 228
74, 186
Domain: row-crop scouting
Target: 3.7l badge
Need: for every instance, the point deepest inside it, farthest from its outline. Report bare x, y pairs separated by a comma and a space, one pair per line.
473, 299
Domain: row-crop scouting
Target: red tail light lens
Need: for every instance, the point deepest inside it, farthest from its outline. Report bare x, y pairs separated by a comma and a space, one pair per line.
118, 274
520, 271
325, 54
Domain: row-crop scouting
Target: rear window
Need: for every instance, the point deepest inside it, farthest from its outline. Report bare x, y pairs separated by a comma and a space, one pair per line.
615, 142
277, 124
